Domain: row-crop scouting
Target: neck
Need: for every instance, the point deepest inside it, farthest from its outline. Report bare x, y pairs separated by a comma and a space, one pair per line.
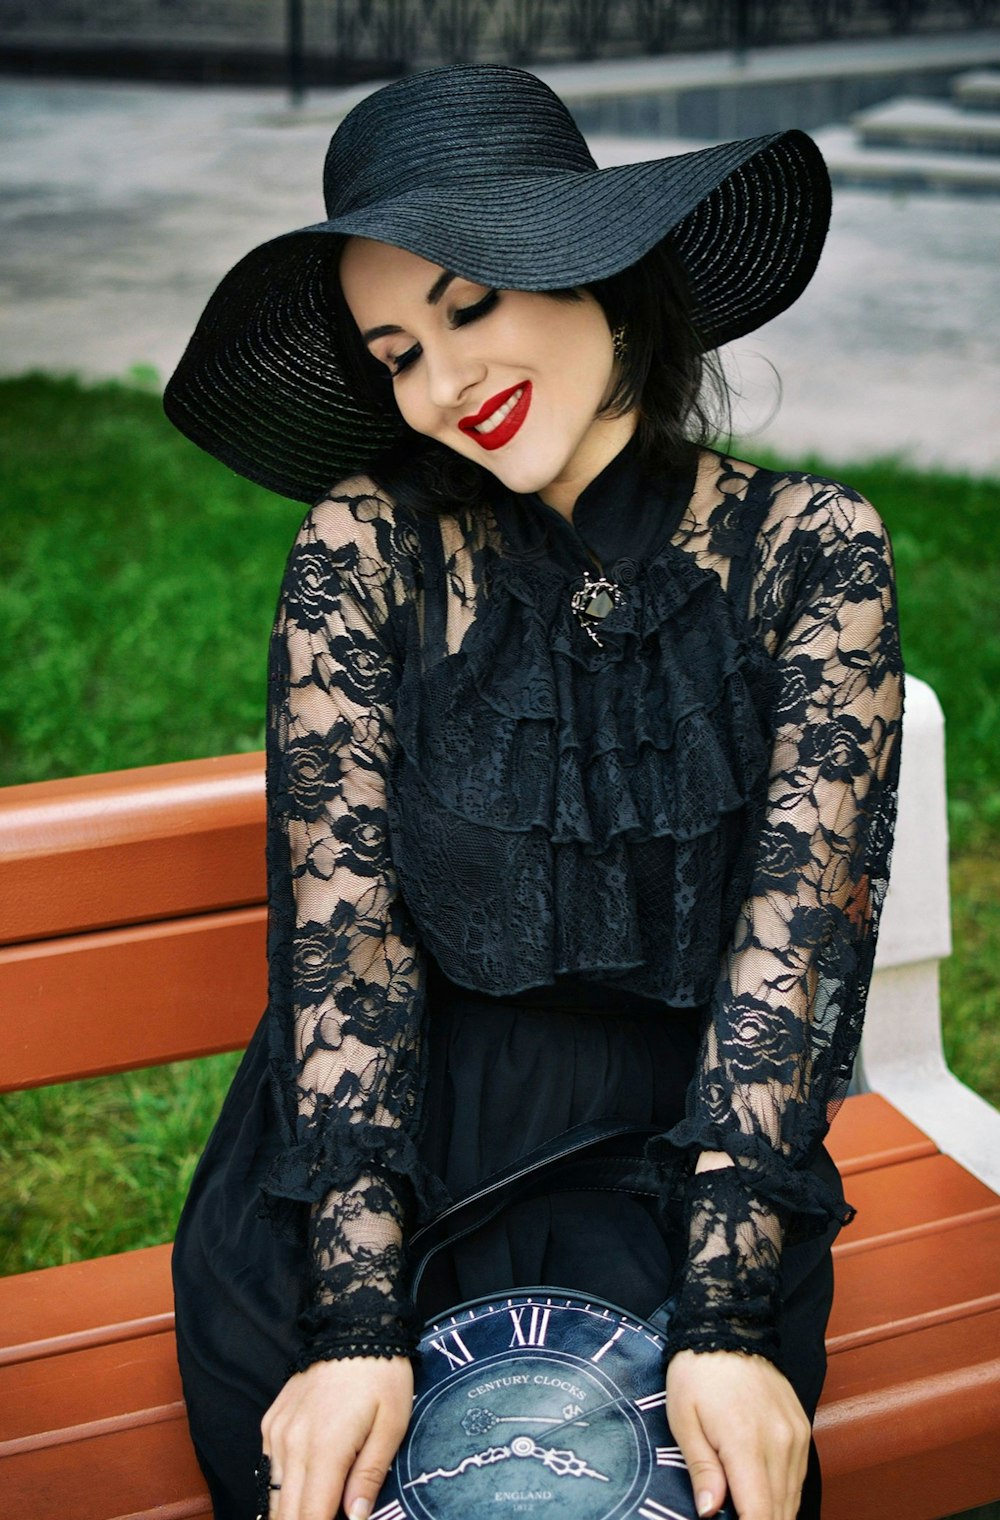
602, 443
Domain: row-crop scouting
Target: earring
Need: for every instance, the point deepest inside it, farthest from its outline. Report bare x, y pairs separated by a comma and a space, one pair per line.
619, 341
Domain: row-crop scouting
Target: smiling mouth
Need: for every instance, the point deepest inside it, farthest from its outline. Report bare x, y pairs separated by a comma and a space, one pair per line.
499, 418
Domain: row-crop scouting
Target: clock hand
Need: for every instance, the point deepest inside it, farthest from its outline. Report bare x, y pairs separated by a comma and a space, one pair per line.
565, 1464
478, 1459
597, 1409
478, 1421
536, 1419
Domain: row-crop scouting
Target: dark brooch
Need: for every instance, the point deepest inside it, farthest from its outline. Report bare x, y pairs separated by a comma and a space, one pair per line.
595, 599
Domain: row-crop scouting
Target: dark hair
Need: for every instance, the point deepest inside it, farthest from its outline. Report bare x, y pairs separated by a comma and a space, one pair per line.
679, 391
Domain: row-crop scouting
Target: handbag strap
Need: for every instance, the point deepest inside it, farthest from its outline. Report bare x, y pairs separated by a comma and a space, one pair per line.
602, 1155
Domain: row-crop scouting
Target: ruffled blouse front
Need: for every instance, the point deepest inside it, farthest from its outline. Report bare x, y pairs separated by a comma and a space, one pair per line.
566, 806
695, 806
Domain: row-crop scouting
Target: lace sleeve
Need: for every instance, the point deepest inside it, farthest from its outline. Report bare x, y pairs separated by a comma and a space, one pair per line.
786, 1016
346, 973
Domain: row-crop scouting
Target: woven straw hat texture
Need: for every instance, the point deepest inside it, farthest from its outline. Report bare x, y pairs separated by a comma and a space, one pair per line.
480, 169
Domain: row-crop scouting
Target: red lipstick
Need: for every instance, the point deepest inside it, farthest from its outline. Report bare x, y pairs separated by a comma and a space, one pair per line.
498, 436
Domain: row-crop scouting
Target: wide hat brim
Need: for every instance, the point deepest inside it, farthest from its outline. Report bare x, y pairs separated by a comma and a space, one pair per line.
262, 385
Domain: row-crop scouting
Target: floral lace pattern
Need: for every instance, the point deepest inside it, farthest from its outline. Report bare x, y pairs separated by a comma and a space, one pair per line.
727, 1295
345, 964
699, 809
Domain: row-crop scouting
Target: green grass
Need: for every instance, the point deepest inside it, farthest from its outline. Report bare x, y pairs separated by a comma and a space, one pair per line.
102, 1165
945, 532
139, 581
139, 585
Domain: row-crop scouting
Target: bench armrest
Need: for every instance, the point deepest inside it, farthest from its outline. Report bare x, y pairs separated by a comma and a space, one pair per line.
901, 1054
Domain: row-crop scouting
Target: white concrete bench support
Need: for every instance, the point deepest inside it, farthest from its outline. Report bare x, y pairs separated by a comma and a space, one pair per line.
901, 1055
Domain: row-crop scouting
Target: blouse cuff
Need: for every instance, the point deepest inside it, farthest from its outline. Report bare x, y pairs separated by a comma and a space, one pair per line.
335, 1348
728, 1293
808, 1206
333, 1156
332, 1333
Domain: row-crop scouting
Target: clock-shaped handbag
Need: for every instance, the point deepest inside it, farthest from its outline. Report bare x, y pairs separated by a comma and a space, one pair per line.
540, 1401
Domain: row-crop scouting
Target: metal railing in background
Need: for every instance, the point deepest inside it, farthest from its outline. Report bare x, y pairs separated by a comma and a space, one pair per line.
416, 33
333, 41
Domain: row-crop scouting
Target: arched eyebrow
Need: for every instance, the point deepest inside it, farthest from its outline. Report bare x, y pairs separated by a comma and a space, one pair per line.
434, 295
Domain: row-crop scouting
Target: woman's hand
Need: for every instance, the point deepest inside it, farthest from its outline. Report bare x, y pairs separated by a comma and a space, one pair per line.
739, 1425
331, 1434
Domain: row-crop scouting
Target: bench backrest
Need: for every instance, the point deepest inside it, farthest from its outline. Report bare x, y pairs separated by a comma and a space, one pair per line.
132, 918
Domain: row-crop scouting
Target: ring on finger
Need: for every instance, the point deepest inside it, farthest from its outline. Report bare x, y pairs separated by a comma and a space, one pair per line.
265, 1486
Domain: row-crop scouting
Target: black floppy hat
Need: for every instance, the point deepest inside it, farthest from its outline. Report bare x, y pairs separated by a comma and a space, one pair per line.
479, 168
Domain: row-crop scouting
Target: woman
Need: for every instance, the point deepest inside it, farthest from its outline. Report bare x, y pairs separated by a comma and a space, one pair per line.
582, 753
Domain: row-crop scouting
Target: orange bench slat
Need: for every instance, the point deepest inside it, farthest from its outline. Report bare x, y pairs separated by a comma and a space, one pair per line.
885, 1402
42, 1402
110, 1298
904, 1422
147, 1470
934, 1482
911, 1197
113, 996
123, 847
868, 1133
902, 1284
939, 1351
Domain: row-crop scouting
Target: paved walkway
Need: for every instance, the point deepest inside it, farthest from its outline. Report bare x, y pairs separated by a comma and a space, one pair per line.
121, 205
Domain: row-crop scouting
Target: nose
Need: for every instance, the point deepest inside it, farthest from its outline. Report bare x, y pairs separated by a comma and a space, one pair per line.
451, 375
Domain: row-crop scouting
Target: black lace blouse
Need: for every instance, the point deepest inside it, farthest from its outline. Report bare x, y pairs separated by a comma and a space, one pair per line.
696, 806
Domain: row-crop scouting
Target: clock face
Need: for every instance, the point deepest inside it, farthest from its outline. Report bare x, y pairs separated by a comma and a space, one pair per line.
538, 1405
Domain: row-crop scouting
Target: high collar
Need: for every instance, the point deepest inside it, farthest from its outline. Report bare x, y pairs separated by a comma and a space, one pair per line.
624, 513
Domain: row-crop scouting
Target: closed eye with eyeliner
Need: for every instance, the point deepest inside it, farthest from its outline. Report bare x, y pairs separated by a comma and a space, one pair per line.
463, 315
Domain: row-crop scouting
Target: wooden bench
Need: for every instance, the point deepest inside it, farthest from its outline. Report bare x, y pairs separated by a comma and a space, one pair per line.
133, 924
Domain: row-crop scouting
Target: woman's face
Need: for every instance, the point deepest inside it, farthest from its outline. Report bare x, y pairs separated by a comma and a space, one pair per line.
512, 379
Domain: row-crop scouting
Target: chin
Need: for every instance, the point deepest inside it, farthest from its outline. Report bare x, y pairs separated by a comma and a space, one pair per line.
524, 474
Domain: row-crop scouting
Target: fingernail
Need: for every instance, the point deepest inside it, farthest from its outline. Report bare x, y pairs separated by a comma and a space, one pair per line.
360, 1509
704, 1503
